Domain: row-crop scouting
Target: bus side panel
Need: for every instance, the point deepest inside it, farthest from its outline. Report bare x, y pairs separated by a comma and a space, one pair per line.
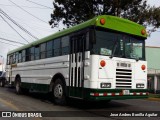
37, 75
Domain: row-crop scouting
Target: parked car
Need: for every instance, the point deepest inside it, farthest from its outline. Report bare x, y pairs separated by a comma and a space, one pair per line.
2, 78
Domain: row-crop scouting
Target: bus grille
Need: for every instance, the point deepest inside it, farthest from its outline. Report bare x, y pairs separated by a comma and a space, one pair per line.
123, 78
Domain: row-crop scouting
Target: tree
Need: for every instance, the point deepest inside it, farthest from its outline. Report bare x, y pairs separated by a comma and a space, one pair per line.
72, 12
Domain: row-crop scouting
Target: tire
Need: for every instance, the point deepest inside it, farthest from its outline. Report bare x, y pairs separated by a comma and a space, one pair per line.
18, 86
58, 92
2, 83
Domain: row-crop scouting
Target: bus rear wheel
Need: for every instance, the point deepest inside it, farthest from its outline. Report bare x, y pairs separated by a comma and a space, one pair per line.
2, 82
58, 92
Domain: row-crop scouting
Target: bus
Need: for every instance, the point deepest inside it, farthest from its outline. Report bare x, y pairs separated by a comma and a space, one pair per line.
100, 59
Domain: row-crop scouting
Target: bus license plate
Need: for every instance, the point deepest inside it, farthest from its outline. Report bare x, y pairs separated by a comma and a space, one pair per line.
126, 92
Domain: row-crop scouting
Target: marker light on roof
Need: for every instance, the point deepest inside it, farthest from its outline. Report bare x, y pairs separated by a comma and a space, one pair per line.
102, 21
143, 32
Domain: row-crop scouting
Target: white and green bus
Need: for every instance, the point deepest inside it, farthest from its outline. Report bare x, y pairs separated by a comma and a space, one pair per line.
100, 59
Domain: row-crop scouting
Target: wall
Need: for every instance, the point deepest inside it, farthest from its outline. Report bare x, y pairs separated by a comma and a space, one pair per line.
153, 60
153, 57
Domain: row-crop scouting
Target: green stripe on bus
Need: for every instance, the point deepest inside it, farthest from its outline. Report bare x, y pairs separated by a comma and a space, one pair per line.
85, 92
37, 87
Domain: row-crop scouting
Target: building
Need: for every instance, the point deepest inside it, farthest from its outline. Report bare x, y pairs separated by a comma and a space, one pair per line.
153, 59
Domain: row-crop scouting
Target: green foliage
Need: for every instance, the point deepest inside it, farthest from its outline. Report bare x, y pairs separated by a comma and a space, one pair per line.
154, 95
72, 12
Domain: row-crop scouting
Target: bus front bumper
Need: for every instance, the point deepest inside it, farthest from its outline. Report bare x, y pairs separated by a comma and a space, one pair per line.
116, 94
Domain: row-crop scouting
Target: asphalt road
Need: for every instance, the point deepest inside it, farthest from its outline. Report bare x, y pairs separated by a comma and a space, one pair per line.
10, 101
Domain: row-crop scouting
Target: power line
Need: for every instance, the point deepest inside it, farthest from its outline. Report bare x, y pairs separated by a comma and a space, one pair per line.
22, 28
11, 41
39, 4
29, 12
8, 34
34, 26
13, 28
23, 6
25, 22
9, 44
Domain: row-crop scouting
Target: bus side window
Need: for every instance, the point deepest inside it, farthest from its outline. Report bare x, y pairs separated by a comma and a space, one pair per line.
72, 46
14, 58
43, 50
57, 47
11, 59
23, 55
82, 36
37, 52
28, 54
80, 46
65, 45
32, 53
20, 57
8, 60
87, 41
49, 49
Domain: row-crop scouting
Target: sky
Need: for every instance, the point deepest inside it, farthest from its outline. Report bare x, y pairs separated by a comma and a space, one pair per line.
34, 18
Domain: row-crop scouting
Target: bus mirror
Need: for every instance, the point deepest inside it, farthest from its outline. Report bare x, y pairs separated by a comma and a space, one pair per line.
92, 36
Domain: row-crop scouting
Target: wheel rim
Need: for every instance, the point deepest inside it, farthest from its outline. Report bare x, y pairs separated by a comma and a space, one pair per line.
17, 86
58, 91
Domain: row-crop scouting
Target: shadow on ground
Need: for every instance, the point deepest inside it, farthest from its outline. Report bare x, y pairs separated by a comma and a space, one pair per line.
74, 103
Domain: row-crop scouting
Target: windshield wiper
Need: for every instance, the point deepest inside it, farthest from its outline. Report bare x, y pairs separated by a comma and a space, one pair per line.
137, 59
114, 48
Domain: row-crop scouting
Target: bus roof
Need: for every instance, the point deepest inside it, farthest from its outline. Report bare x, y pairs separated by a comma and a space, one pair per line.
111, 22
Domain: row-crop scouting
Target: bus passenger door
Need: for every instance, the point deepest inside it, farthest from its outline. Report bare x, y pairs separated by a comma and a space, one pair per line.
77, 57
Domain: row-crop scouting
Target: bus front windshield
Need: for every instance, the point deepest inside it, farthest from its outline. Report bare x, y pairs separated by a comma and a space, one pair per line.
118, 45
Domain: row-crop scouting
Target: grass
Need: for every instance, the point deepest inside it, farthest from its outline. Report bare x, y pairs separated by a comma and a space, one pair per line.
154, 95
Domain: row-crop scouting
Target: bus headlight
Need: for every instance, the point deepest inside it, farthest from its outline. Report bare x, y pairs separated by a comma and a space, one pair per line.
139, 85
105, 85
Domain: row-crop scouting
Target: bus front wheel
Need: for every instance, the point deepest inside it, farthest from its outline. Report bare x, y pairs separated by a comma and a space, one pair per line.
58, 92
